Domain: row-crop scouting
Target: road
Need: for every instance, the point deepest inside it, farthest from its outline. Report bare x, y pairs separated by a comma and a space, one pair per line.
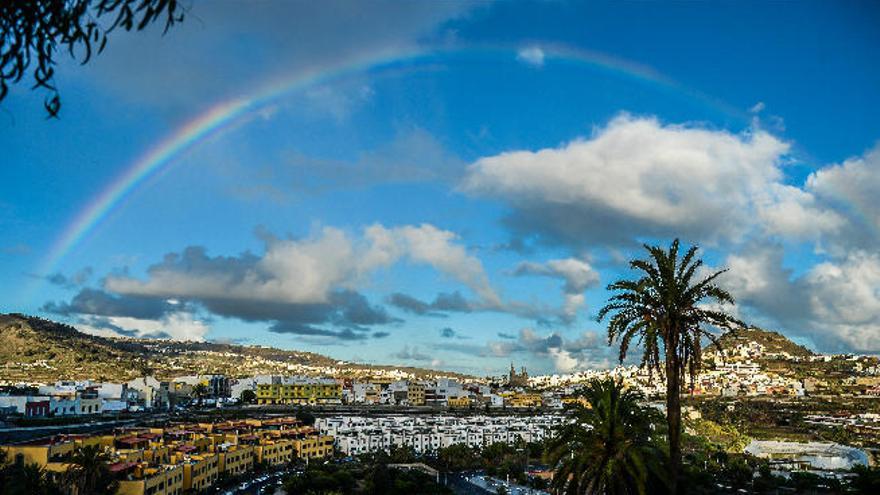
27, 433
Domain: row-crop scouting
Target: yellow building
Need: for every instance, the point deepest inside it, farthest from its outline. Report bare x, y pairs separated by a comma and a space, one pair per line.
314, 447
236, 459
159, 454
41, 453
460, 401
188, 458
525, 400
572, 400
305, 392
163, 480
200, 472
415, 394
274, 452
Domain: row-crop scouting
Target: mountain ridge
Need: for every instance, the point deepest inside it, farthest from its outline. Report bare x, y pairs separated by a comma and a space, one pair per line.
41, 350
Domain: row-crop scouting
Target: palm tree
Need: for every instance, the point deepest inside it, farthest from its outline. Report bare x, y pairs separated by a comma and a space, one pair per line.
89, 473
667, 311
610, 447
25, 479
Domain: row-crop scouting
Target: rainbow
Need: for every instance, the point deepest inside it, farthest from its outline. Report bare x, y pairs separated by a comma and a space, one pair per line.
227, 114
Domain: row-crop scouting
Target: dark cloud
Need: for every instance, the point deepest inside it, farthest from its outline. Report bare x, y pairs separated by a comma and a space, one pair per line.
453, 302
73, 281
409, 303
192, 278
99, 303
517, 244
345, 309
349, 313
311, 331
507, 336
447, 333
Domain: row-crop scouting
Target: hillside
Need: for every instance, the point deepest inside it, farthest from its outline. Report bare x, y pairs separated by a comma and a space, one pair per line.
774, 344
40, 350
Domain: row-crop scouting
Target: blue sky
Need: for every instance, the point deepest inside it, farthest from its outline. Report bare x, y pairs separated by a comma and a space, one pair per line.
461, 199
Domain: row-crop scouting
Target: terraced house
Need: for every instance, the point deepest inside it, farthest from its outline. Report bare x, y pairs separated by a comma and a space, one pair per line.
186, 457
300, 391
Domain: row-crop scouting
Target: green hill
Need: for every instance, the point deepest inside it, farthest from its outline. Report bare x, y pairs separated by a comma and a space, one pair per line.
40, 350
774, 343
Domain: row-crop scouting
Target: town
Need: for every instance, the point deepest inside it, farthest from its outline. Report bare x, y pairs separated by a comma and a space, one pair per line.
171, 453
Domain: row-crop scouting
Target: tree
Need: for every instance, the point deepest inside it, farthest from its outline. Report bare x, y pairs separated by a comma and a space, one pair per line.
31, 34
306, 417
89, 472
200, 391
666, 310
610, 447
248, 397
865, 479
19, 478
458, 457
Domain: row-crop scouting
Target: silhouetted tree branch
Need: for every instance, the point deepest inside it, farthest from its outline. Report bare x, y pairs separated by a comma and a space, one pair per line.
33, 32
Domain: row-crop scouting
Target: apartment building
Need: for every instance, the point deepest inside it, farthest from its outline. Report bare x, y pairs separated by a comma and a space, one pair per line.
524, 400
415, 394
274, 452
314, 446
183, 458
162, 480
200, 472
303, 391
236, 459
358, 435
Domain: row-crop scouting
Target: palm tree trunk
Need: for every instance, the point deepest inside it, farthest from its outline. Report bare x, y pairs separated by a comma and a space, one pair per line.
673, 418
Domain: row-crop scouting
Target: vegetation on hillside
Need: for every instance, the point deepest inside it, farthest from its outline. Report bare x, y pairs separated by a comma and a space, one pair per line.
41, 350
773, 342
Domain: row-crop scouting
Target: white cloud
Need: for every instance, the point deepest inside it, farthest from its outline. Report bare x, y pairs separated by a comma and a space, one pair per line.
306, 271
835, 303
855, 186
585, 352
436, 247
531, 55
577, 274
636, 177
176, 326
844, 298
792, 212
290, 271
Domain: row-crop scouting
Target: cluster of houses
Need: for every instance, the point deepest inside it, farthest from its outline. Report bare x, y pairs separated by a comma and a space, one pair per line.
358, 435
182, 458
731, 373
86, 397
